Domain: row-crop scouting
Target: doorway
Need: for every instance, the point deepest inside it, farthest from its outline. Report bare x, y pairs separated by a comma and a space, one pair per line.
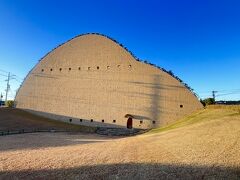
129, 123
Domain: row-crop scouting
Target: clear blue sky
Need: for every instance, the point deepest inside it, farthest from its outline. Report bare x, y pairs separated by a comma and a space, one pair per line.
198, 40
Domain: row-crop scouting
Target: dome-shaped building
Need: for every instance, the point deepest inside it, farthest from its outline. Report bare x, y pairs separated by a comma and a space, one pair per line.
92, 80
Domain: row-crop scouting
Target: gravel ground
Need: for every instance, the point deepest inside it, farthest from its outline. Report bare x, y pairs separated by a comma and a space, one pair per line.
206, 150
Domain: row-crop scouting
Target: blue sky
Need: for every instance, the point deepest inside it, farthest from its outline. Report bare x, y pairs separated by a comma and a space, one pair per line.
198, 40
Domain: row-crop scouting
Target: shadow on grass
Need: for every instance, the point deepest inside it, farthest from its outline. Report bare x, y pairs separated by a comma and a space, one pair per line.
127, 171
46, 140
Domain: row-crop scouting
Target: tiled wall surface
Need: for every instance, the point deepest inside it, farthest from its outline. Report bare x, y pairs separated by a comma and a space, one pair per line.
92, 77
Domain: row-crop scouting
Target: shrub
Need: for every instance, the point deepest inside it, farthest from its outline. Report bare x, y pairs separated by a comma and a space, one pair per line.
208, 101
10, 104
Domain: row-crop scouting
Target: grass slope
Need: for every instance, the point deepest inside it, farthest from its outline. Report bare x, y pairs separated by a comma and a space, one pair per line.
207, 114
16, 119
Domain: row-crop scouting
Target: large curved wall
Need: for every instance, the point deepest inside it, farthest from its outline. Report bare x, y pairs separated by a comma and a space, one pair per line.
92, 77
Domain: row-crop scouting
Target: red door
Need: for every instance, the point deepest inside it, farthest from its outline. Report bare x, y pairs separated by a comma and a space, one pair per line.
129, 123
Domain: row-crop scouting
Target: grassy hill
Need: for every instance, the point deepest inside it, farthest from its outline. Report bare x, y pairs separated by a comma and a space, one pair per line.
12, 119
207, 114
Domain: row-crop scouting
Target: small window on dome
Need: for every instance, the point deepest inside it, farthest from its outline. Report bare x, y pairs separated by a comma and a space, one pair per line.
114, 121
69, 69
42, 70
60, 69
91, 120
103, 120
51, 69
154, 122
97, 67
181, 106
141, 122
79, 68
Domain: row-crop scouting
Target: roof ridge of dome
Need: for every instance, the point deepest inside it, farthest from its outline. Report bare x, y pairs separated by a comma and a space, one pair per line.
94, 33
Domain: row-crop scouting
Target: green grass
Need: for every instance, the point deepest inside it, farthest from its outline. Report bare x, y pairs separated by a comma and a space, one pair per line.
210, 113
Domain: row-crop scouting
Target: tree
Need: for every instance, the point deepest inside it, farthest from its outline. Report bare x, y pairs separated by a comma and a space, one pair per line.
207, 101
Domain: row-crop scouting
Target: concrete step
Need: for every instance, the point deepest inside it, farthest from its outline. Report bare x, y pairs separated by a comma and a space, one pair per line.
118, 131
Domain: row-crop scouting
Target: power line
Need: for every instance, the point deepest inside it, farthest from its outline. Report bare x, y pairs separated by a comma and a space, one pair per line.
220, 93
17, 77
3, 75
227, 94
207, 92
229, 90
17, 80
3, 71
6, 74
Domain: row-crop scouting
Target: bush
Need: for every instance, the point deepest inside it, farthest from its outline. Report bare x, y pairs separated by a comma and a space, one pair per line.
10, 104
208, 101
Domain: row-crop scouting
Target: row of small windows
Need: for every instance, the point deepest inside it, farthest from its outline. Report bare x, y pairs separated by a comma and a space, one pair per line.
114, 121
89, 68
70, 120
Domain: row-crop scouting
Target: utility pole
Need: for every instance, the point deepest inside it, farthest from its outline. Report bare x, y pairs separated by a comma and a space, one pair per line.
10, 76
8, 87
214, 94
